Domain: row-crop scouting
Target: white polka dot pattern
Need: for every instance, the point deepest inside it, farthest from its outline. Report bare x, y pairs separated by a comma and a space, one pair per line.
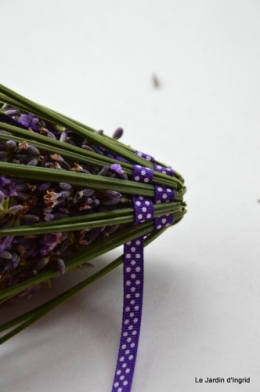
132, 312
164, 170
163, 194
144, 209
142, 174
145, 156
163, 221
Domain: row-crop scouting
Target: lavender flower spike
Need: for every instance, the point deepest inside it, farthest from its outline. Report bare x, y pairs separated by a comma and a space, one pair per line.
117, 168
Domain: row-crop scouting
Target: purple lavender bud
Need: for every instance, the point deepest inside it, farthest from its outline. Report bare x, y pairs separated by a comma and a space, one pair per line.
14, 209
44, 186
118, 133
87, 192
110, 198
5, 255
2, 197
63, 137
4, 181
62, 247
90, 237
22, 196
47, 210
103, 171
100, 132
96, 202
48, 217
5, 133
64, 186
111, 194
111, 229
35, 123
7, 242
116, 167
51, 240
86, 147
41, 264
124, 176
23, 159
25, 120
86, 171
29, 121
64, 194
47, 133
11, 112
89, 201
16, 260
29, 218
57, 157
12, 190
32, 150
7, 186
61, 266
33, 162
110, 202
11, 144
65, 165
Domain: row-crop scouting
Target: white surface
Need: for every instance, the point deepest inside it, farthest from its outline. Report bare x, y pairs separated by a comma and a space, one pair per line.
93, 60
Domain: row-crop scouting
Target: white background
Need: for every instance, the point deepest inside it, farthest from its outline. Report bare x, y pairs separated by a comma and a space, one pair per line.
93, 61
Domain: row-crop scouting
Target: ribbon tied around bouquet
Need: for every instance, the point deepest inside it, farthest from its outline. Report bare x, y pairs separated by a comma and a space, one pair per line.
134, 272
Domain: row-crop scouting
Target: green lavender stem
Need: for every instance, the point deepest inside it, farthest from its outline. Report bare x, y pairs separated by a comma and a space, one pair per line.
85, 132
42, 310
98, 219
92, 251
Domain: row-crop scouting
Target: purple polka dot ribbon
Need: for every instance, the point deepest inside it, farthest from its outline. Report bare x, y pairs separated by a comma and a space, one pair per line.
163, 194
164, 170
134, 274
142, 174
132, 313
163, 221
143, 208
145, 156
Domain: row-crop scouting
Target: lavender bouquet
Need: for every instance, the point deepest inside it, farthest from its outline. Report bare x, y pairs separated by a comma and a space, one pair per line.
66, 197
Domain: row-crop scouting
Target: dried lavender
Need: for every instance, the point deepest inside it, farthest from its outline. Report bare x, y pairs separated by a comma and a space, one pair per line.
65, 197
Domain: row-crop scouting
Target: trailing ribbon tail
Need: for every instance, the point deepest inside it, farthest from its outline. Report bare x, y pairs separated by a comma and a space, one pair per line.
134, 275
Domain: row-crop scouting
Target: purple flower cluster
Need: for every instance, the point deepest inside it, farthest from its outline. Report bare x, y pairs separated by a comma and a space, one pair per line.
25, 202
7, 188
28, 121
